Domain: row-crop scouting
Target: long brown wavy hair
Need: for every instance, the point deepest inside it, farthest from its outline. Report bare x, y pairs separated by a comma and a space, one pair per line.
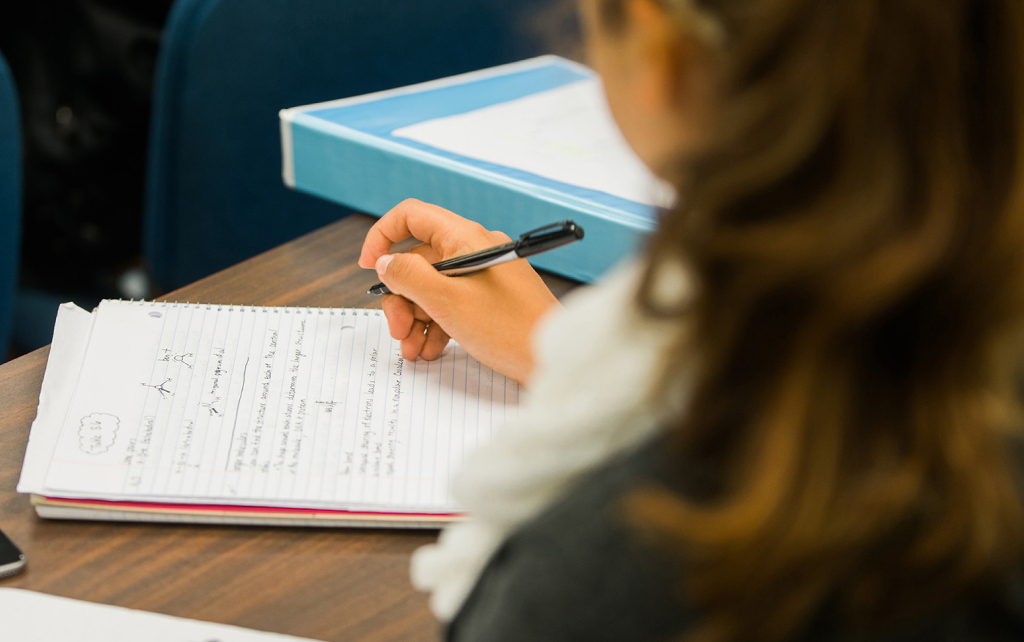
856, 233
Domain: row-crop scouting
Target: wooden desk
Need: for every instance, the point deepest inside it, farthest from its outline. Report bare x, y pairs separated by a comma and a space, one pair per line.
322, 584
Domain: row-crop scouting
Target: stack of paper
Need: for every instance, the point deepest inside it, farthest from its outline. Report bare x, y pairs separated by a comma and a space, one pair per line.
214, 413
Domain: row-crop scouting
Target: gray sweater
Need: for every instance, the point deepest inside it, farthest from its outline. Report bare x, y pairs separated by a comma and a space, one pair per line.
575, 573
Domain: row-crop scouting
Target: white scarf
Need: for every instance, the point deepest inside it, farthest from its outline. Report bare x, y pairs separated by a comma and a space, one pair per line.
596, 361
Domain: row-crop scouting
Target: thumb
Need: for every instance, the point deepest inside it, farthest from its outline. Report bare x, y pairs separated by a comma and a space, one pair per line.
411, 276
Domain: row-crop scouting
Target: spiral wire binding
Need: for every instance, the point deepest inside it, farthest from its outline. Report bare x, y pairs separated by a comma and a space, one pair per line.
263, 308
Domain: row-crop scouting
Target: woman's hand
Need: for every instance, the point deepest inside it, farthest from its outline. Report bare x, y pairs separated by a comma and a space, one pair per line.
490, 313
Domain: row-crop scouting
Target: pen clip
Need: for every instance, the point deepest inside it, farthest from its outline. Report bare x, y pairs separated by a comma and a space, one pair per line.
561, 226
548, 237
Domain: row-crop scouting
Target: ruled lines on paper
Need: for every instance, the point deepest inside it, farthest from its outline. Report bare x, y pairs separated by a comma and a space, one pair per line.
299, 407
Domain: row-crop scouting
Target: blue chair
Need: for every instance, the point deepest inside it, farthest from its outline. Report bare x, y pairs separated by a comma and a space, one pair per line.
10, 200
214, 189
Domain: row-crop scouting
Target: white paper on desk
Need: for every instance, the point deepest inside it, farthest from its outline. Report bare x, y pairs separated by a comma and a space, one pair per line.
70, 337
565, 134
37, 617
292, 407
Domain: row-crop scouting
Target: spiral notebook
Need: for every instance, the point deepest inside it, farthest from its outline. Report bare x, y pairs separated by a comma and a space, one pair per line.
239, 414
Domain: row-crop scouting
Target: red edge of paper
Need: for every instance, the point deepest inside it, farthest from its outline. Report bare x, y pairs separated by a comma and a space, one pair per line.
221, 508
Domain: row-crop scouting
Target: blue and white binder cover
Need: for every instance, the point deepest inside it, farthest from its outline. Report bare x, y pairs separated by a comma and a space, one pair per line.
513, 147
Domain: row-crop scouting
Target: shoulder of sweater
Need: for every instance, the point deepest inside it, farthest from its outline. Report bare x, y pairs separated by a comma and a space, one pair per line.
577, 571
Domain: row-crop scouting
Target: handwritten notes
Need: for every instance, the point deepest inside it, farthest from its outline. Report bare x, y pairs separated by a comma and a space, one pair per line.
289, 407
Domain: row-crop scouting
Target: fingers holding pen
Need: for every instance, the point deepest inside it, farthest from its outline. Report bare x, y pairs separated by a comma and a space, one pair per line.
408, 323
491, 315
401, 313
446, 233
425, 341
412, 345
436, 340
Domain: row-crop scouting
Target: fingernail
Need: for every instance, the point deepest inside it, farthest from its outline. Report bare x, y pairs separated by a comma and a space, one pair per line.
382, 263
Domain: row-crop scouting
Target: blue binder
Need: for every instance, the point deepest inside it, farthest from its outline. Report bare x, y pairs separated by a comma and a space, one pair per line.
344, 151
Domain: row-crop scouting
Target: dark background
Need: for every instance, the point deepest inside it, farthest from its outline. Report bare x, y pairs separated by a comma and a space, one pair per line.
84, 72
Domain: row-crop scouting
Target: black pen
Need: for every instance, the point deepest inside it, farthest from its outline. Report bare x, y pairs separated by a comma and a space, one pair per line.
539, 240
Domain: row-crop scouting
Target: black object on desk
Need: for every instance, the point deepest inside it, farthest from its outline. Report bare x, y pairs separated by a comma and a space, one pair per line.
12, 560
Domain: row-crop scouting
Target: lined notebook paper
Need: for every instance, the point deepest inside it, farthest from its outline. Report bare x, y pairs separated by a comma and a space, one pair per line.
275, 407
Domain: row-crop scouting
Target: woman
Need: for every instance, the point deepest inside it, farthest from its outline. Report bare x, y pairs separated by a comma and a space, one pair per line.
794, 416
